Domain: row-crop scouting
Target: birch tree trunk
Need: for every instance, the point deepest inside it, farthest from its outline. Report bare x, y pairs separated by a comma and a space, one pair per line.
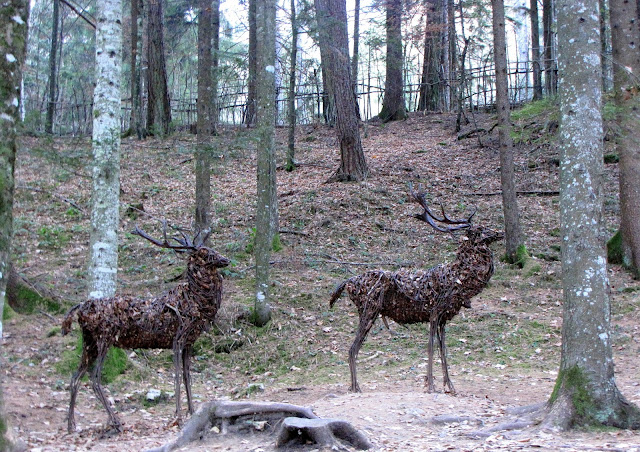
13, 45
267, 205
513, 231
103, 265
585, 391
626, 63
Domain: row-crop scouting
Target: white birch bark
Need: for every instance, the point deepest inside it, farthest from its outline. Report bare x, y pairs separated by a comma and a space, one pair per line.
103, 263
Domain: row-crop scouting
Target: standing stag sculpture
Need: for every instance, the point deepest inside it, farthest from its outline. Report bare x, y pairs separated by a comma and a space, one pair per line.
172, 320
434, 295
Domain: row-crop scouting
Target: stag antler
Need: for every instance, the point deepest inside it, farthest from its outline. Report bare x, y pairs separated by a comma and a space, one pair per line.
429, 217
185, 243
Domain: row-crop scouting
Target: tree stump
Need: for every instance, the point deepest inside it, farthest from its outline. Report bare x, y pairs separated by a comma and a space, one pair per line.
297, 431
293, 425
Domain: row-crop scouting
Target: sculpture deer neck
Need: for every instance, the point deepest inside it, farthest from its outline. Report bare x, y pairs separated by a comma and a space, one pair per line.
204, 280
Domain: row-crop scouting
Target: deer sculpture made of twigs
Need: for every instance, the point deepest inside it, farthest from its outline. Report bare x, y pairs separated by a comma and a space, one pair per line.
172, 320
434, 295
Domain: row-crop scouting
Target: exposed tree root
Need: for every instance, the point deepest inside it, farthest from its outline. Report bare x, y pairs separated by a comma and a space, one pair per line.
291, 423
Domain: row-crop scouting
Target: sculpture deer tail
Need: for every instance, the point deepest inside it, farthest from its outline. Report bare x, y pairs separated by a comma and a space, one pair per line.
68, 319
337, 292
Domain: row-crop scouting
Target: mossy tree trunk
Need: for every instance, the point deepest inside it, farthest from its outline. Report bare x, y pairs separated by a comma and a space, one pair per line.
626, 63
334, 51
513, 231
586, 391
103, 261
393, 104
13, 40
267, 205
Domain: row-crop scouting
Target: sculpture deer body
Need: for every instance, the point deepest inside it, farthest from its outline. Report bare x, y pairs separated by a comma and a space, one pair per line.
173, 320
434, 295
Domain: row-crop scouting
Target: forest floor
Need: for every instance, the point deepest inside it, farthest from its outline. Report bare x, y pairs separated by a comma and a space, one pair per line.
503, 353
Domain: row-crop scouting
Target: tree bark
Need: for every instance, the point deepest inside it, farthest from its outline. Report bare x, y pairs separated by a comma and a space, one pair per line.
445, 58
158, 106
535, 50
393, 104
53, 71
103, 264
334, 50
291, 142
626, 63
585, 391
356, 47
513, 231
205, 120
250, 116
604, 46
267, 200
134, 121
430, 81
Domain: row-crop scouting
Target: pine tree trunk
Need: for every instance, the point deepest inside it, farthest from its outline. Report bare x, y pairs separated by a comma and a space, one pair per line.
550, 77
103, 263
205, 120
393, 104
53, 71
356, 47
513, 233
626, 61
134, 121
535, 50
429, 99
158, 106
267, 202
585, 391
291, 141
334, 50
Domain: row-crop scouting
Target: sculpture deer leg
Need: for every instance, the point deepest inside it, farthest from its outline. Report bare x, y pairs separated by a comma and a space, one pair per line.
443, 358
96, 384
186, 375
89, 355
367, 319
178, 348
432, 332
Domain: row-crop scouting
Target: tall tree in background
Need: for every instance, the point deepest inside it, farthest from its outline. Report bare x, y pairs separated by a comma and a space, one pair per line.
134, 122
53, 71
105, 203
535, 50
356, 47
158, 106
626, 64
205, 115
429, 99
250, 115
513, 231
291, 98
13, 47
267, 204
585, 392
393, 104
550, 76
445, 57
334, 51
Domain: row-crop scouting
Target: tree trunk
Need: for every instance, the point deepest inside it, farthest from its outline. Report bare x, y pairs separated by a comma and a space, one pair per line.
550, 76
134, 121
626, 61
334, 51
430, 82
535, 50
205, 120
356, 47
445, 58
215, 30
250, 116
158, 106
103, 263
393, 104
267, 202
585, 391
513, 233
604, 46
53, 71
291, 145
